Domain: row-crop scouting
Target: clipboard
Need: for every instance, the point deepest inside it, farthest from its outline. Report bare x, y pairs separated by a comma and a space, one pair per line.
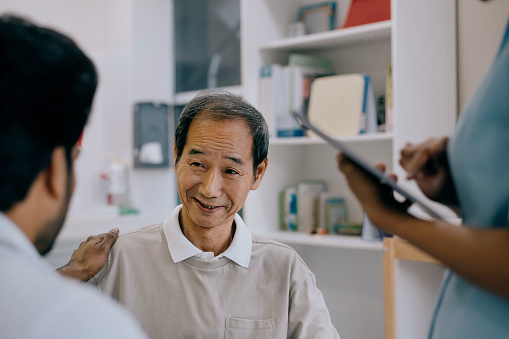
382, 178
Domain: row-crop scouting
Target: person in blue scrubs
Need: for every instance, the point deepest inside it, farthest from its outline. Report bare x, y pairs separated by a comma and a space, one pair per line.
469, 172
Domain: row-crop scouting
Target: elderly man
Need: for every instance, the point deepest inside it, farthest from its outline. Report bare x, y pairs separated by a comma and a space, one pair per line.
46, 88
201, 274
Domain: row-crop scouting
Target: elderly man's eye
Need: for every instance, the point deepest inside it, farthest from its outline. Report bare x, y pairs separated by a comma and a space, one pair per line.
231, 171
197, 164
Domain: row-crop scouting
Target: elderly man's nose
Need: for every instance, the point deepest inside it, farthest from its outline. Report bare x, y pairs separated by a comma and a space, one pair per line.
211, 185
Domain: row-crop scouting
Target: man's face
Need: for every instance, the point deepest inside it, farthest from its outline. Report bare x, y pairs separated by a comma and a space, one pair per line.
215, 172
46, 238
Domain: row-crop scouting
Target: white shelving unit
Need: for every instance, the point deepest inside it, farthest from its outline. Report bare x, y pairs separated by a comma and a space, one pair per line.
327, 240
317, 141
332, 39
420, 43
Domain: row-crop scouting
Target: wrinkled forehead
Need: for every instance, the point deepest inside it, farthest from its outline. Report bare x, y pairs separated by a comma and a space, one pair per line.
209, 123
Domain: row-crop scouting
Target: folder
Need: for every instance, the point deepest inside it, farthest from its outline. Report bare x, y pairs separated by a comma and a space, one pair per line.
270, 95
343, 105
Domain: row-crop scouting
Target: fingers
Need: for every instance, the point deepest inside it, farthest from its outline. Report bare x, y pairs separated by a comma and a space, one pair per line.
417, 162
109, 238
415, 157
381, 167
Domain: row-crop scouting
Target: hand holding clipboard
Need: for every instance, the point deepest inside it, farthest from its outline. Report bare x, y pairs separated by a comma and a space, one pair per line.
382, 178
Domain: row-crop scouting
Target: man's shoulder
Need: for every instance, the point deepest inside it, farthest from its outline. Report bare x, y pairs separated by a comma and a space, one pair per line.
140, 236
265, 246
49, 302
284, 258
268, 243
138, 245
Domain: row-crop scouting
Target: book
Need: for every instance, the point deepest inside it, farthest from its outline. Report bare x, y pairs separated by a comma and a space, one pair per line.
389, 125
271, 95
287, 126
348, 228
281, 201
310, 61
363, 12
308, 196
332, 211
302, 69
343, 105
288, 209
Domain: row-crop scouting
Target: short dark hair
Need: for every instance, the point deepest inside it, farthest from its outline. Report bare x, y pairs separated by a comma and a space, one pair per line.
223, 105
47, 85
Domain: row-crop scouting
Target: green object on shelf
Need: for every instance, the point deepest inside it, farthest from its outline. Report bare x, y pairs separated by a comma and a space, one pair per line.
348, 228
124, 210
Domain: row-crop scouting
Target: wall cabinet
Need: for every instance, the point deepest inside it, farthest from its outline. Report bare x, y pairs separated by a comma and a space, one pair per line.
420, 43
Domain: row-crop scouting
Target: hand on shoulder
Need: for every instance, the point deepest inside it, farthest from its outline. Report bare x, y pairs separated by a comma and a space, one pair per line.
90, 257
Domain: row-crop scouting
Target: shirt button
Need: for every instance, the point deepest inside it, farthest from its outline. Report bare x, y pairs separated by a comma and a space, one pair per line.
203, 257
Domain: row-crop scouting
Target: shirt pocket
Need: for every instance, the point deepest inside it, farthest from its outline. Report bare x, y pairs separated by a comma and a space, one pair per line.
249, 329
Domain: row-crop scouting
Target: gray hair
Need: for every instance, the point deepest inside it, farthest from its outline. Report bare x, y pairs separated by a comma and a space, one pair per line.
223, 105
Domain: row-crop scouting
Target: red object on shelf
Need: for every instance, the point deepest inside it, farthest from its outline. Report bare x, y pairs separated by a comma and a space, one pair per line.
363, 12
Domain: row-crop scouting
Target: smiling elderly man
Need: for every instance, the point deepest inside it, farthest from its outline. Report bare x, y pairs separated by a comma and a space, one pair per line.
201, 274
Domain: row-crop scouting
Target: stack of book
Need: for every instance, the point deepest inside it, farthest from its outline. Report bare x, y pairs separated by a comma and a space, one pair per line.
340, 105
286, 89
309, 208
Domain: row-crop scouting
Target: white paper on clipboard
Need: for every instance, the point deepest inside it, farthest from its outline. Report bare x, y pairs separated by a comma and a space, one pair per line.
366, 166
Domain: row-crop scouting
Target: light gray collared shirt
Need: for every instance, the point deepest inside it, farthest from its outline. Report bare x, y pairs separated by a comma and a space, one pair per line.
181, 248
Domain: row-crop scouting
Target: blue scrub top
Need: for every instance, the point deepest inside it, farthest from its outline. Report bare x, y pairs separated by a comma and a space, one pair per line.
479, 161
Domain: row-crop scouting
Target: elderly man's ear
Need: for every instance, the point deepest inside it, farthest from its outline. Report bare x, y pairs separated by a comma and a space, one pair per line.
260, 172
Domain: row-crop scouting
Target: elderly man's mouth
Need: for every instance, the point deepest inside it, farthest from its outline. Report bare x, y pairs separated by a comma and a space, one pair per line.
206, 207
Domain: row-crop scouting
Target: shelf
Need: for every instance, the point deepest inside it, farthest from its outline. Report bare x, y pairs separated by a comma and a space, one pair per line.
327, 240
318, 141
333, 39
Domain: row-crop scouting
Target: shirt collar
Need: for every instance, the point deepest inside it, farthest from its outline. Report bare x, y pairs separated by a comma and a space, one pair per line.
181, 248
11, 236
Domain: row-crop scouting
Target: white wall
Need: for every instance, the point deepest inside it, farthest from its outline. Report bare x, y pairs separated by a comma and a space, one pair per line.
481, 26
153, 190
129, 42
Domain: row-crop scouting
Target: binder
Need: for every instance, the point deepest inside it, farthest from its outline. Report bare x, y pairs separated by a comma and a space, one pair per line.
308, 199
343, 105
287, 126
270, 95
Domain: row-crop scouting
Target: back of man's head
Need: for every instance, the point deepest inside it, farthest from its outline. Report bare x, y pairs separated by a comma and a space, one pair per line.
46, 89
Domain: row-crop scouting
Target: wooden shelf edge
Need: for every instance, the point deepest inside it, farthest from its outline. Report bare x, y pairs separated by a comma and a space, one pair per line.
403, 250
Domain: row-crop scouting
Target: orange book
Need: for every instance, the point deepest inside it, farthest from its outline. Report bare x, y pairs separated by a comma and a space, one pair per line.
367, 11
